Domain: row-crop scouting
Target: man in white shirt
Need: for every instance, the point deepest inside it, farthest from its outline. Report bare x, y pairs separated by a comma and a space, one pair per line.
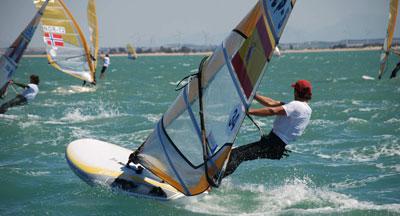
290, 122
29, 93
106, 63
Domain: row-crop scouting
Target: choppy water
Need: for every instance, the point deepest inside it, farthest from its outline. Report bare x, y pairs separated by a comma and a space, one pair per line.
347, 162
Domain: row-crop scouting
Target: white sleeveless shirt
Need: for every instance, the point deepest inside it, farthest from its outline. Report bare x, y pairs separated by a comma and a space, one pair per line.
291, 126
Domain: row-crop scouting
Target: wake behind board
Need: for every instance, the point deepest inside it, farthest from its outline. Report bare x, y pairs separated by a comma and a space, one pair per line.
102, 163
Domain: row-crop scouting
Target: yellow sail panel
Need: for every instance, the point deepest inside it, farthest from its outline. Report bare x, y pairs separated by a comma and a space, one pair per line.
394, 5
393, 10
66, 46
246, 26
93, 29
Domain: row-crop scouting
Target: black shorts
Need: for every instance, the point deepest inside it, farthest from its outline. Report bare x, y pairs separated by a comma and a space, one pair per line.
103, 69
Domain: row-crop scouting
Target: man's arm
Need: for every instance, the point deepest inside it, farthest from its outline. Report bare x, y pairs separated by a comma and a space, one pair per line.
267, 111
266, 101
22, 85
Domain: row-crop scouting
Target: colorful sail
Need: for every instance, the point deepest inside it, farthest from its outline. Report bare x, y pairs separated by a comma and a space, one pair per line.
131, 52
190, 145
394, 5
9, 61
66, 46
93, 31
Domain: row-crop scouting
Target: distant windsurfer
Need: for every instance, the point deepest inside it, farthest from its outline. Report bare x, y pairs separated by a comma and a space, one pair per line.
291, 121
106, 63
29, 93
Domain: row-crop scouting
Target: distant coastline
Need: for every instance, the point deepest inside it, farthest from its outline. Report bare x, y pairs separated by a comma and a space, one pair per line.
310, 50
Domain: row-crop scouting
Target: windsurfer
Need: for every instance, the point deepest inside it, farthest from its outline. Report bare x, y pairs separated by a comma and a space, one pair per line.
29, 93
106, 63
291, 121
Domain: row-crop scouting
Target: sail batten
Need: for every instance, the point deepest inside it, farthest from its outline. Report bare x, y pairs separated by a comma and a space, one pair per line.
66, 46
190, 145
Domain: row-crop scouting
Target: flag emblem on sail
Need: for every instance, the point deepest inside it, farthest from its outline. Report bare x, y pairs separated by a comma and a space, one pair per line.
249, 61
54, 40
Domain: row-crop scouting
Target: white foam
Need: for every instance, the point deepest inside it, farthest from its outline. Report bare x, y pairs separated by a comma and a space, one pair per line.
74, 89
365, 77
100, 112
392, 120
153, 117
10, 117
280, 199
37, 173
369, 153
354, 120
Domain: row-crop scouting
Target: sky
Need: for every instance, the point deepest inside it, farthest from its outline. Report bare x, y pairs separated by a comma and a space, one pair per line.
205, 22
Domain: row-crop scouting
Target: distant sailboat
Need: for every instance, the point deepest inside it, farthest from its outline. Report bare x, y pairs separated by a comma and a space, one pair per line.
389, 36
9, 61
131, 52
66, 45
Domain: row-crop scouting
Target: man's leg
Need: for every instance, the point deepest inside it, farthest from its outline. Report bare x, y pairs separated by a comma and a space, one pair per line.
395, 70
103, 70
17, 101
270, 147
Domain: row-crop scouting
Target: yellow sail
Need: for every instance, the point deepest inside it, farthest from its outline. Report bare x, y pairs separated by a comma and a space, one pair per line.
131, 52
66, 46
93, 30
394, 5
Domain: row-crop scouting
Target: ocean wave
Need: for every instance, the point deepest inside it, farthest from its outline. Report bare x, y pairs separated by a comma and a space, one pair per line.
153, 117
37, 173
294, 196
74, 89
81, 115
79, 133
351, 183
354, 120
369, 153
392, 120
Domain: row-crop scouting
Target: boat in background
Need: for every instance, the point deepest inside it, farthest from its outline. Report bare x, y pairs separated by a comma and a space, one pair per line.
131, 52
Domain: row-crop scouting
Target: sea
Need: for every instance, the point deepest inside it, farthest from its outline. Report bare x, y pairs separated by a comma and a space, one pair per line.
346, 163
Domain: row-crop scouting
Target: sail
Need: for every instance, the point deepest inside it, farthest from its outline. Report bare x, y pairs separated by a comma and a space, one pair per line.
66, 46
389, 36
9, 61
131, 52
93, 31
189, 146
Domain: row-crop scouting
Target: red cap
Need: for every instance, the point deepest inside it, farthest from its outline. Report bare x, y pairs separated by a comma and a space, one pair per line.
303, 86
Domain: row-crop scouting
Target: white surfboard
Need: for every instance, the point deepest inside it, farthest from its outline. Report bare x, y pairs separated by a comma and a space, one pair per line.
102, 163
